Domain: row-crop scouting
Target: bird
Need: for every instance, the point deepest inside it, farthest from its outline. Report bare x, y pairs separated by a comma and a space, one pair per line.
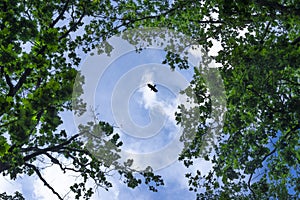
152, 87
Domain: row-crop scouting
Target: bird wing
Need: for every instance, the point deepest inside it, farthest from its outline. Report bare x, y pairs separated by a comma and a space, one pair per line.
152, 87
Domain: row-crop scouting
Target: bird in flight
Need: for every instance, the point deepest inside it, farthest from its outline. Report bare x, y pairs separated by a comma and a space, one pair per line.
152, 87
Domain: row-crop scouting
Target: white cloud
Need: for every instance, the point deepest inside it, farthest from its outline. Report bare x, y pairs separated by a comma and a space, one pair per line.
9, 186
57, 179
195, 54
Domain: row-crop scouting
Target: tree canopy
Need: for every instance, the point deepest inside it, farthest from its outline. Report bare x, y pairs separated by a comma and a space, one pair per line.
260, 41
40, 47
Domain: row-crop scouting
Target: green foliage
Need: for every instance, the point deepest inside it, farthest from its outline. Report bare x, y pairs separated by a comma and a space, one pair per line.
260, 58
39, 49
3, 146
260, 41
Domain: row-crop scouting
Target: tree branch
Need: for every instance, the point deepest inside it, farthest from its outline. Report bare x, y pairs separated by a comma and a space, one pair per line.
72, 27
77, 150
37, 171
27, 71
263, 100
282, 140
271, 153
24, 76
208, 21
249, 185
52, 148
55, 161
60, 15
38, 151
7, 79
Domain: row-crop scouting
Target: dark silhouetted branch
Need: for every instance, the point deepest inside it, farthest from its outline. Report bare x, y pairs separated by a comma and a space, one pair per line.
37, 171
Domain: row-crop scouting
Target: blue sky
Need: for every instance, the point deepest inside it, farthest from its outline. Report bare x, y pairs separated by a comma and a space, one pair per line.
145, 122
146, 125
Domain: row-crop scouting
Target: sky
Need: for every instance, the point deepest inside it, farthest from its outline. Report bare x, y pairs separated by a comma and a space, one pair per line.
116, 89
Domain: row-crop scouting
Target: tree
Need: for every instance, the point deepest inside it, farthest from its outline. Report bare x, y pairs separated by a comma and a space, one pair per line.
260, 137
260, 41
39, 61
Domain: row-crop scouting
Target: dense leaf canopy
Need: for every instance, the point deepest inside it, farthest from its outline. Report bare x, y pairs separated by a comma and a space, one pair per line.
260, 41
40, 43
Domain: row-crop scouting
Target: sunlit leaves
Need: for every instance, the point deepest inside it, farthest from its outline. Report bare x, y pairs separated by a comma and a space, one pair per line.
260, 57
39, 55
261, 77
3, 146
